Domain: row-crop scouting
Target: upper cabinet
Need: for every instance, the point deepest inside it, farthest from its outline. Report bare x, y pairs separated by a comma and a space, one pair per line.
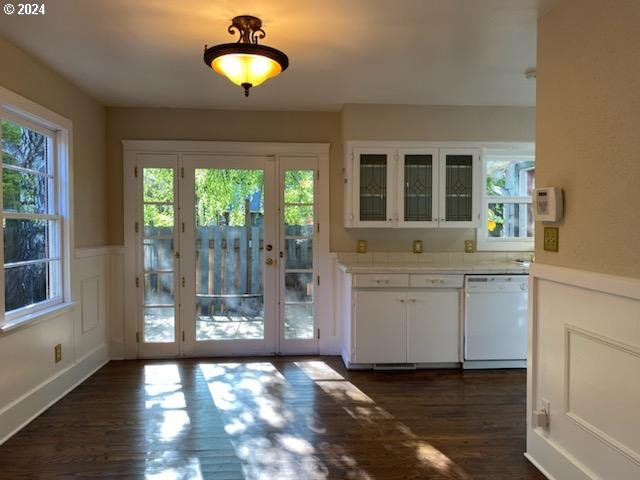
374, 187
411, 186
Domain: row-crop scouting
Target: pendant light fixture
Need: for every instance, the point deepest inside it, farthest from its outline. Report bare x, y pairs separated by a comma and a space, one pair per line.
246, 63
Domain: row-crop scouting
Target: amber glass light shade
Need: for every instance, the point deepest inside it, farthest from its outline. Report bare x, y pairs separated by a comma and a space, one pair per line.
242, 68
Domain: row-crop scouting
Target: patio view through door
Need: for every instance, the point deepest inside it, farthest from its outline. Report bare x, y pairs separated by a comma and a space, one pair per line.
221, 251
229, 303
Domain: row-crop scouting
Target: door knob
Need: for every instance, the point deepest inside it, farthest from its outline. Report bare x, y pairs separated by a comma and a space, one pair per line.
269, 261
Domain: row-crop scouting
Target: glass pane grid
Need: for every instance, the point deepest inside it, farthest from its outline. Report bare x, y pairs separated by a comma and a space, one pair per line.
158, 255
299, 230
32, 252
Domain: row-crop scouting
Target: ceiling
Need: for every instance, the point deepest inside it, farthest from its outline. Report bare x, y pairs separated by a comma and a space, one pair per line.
425, 52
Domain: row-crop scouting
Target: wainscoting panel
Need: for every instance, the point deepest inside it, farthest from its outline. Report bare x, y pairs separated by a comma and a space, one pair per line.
31, 380
90, 300
584, 359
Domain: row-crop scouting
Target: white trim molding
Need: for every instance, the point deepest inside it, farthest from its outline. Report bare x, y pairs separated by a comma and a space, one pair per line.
584, 358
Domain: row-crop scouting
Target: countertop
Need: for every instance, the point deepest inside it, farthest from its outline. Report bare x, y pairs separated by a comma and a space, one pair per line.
509, 267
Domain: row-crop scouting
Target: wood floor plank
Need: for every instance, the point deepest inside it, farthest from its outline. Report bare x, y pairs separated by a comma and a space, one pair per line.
277, 418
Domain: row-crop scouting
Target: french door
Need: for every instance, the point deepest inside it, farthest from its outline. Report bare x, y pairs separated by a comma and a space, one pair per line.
226, 260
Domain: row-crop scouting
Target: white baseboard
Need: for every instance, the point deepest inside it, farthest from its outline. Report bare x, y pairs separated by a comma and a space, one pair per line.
23, 410
560, 465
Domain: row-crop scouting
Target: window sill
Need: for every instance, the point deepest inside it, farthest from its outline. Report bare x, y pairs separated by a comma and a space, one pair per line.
36, 317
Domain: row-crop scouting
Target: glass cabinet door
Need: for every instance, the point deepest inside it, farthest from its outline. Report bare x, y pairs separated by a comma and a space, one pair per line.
459, 174
374, 174
418, 187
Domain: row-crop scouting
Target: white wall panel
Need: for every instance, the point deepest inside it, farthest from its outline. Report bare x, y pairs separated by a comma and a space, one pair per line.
584, 352
30, 380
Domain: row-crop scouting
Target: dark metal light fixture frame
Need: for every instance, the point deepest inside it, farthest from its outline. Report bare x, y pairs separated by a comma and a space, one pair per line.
250, 30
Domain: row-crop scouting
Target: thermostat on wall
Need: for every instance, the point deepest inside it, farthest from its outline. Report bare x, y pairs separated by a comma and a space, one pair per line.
548, 204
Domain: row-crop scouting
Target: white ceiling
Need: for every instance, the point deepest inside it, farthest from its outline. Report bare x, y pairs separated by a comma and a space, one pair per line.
430, 52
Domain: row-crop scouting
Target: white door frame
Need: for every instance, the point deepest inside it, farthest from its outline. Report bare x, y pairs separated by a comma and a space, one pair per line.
328, 327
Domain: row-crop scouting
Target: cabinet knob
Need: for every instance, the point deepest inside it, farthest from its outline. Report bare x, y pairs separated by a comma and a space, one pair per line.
401, 300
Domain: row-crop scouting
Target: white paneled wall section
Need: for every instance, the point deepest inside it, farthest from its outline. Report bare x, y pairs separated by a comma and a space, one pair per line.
31, 380
584, 360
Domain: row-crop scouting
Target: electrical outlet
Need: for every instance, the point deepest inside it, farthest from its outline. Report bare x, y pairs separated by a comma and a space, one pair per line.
469, 246
551, 239
57, 353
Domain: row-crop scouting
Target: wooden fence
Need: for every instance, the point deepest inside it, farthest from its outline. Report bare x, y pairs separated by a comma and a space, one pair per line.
229, 264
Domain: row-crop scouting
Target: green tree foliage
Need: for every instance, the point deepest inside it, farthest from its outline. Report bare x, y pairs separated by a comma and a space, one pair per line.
221, 196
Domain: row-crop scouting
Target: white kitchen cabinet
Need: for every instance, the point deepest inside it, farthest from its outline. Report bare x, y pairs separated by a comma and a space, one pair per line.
403, 185
401, 318
459, 205
380, 327
433, 326
417, 187
373, 187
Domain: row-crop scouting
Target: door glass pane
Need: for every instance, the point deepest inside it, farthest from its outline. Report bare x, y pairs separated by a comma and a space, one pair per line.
459, 188
418, 186
298, 255
159, 324
373, 187
510, 220
229, 254
158, 255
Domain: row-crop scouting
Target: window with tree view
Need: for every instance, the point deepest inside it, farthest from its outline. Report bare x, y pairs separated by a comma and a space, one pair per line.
509, 183
31, 220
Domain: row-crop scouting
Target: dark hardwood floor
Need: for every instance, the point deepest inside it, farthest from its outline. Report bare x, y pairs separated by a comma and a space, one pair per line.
277, 418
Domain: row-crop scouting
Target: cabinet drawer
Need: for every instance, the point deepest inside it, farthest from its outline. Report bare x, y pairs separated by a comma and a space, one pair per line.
380, 281
436, 281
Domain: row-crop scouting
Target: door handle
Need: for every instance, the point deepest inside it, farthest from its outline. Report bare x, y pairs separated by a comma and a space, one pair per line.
269, 261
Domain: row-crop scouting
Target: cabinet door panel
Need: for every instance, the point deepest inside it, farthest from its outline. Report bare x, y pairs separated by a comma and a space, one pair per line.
417, 201
380, 327
459, 187
433, 326
374, 188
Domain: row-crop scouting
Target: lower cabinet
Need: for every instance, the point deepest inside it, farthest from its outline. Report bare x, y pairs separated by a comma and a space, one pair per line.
433, 326
380, 331
406, 325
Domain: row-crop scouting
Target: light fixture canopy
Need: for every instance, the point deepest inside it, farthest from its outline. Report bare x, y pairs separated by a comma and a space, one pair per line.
246, 63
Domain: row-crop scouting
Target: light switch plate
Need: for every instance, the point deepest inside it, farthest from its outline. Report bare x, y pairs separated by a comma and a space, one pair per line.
551, 239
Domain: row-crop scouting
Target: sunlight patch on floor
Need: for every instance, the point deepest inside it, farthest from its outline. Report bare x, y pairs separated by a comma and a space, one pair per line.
163, 394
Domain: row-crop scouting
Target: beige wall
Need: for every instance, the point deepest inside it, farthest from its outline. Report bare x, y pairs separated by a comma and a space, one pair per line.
587, 131
355, 122
28, 77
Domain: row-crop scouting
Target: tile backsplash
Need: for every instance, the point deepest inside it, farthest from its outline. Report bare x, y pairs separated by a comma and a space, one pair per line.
432, 257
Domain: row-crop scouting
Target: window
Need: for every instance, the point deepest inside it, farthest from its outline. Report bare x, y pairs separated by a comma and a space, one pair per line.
509, 180
32, 217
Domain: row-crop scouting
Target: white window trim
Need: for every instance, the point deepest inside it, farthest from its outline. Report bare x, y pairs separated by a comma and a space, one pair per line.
484, 242
46, 121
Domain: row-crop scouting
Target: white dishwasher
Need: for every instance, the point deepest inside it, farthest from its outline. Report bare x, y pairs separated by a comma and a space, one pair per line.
495, 323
